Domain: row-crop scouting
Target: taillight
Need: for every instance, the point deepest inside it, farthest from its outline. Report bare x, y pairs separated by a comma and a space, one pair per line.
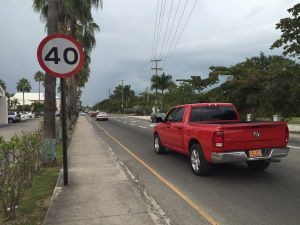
218, 139
286, 135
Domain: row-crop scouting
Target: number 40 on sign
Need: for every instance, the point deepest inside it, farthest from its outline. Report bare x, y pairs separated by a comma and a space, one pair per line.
60, 55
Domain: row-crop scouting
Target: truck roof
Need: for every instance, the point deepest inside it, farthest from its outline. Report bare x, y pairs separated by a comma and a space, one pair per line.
206, 104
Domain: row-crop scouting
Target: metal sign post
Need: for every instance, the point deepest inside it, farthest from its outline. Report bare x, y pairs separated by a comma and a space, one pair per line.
61, 56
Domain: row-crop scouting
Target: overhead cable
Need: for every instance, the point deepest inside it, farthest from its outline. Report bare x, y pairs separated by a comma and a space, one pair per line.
176, 43
154, 33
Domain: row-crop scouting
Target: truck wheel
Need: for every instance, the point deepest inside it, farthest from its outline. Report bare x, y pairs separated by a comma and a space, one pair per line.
198, 162
258, 165
158, 147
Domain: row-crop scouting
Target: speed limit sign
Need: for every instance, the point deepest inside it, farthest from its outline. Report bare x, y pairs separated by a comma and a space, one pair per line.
60, 55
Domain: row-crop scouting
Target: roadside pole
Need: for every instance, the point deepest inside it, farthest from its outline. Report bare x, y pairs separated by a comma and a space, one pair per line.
64, 130
61, 56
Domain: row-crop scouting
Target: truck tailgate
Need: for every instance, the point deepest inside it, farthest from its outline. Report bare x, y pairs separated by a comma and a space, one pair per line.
247, 136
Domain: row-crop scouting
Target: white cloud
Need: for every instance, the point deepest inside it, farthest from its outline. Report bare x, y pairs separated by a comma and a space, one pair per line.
218, 33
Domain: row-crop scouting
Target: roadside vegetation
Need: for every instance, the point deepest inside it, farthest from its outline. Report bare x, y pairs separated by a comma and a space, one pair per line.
26, 184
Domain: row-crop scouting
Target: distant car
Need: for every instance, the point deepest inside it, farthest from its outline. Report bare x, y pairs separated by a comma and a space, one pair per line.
156, 115
102, 116
81, 113
13, 117
29, 115
93, 114
22, 116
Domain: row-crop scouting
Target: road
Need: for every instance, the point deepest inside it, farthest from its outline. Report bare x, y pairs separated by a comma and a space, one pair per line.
232, 195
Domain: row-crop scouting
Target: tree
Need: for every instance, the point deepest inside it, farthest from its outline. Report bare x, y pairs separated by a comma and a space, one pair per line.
2, 84
290, 38
261, 85
39, 77
49, 13
164, 82
23, 86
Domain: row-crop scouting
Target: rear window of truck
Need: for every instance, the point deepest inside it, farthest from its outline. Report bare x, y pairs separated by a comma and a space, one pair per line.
213, 113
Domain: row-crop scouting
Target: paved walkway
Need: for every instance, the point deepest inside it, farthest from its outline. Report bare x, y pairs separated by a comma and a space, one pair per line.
99, 190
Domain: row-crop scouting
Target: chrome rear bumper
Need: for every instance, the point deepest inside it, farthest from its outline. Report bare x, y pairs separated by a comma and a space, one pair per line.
241, 156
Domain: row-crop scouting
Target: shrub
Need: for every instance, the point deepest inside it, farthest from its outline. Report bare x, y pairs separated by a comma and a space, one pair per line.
20, 159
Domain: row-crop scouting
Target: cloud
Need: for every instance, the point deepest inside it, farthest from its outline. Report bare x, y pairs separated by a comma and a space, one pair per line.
218, 33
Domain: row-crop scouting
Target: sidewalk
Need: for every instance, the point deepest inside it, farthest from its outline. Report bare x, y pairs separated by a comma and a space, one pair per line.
99, 190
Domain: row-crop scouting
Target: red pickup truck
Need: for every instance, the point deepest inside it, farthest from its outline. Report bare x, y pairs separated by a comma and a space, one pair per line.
213, 133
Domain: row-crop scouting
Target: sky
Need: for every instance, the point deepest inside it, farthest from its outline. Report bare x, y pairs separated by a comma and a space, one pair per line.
218, 33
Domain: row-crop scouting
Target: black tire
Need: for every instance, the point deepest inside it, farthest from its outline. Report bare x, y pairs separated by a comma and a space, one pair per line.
11, 120
258, 165
158, 147
198, 163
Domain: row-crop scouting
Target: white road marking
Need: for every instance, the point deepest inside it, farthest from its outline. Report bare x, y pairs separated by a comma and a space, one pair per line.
151, 125
124, 122
142, 127
290, 146
133, 121
132, 124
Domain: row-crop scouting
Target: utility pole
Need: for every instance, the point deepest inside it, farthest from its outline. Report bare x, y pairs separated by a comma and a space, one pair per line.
156, 68
122, 94
108, 100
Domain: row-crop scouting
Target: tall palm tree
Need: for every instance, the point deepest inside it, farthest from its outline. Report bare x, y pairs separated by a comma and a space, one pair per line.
49, 11
39, 77
23, 86
155, 85
164, 82
3, 85
71, 16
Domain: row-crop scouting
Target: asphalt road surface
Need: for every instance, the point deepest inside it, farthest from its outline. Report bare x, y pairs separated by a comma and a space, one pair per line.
232, 195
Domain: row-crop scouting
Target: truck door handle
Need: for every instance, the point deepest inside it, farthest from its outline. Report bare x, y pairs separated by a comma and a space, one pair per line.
168, 126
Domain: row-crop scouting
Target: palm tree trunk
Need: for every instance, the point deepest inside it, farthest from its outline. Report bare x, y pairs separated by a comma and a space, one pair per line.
161, 101
23, 102
39, 91
50, 93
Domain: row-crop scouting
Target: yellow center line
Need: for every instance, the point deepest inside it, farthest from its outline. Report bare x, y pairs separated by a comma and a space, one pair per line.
199, 209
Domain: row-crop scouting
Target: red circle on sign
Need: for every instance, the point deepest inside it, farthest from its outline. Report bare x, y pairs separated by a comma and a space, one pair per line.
50, 71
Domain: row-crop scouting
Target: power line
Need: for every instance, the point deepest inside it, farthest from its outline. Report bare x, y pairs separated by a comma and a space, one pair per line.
154, 34
162, 46
158, 28
171, 29
176, 43
179, 22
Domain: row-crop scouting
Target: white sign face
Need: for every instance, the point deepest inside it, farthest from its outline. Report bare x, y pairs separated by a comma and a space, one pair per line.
60, 55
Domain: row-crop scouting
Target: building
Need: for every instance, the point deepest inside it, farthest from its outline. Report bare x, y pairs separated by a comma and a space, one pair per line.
31, 97
3, 107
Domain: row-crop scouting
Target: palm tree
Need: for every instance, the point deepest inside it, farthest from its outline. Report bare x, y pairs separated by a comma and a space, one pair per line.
164, 82
49, 14
65, 17
38, 77
155, 86
3, 85
23, 86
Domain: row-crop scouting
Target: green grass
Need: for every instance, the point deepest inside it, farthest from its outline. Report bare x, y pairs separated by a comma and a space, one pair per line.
295, 120
35, 202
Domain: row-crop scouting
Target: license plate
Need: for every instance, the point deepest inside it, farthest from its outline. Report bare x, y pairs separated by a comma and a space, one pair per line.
255, 153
